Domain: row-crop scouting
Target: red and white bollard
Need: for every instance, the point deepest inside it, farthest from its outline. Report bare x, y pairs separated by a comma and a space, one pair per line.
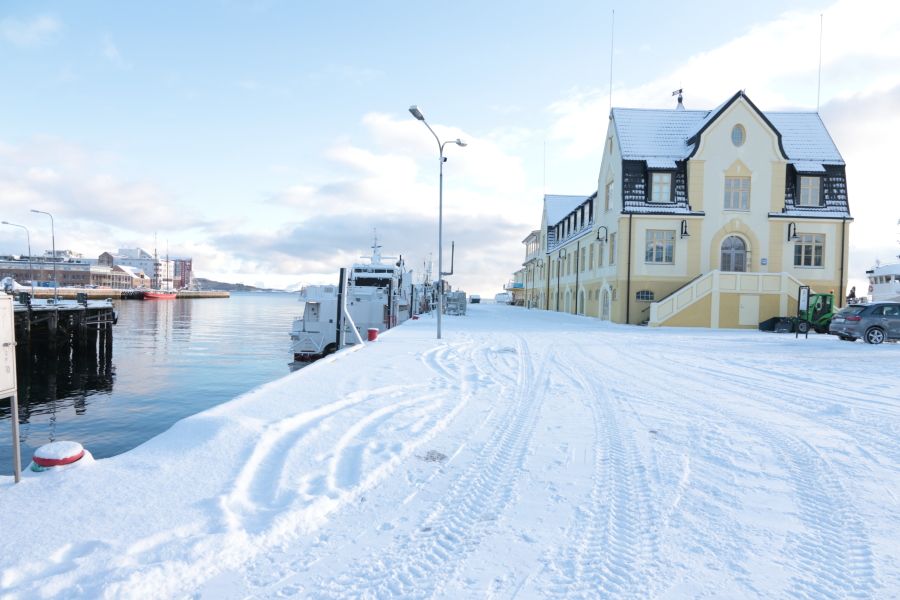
58, 455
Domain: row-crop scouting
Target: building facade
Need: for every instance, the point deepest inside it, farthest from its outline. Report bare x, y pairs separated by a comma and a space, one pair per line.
709, 218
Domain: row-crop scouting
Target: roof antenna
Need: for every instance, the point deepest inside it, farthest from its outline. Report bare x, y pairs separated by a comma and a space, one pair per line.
679, 106
612, 37
819, 88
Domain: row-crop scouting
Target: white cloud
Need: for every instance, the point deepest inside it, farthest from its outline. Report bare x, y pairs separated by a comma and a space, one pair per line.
92, 209
394, 186
113, 55
29, 33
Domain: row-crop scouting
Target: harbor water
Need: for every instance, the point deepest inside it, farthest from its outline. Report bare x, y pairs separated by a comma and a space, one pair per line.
170, 359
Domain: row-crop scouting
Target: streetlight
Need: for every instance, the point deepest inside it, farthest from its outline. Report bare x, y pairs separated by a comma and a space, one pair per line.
28, 237
792, 232
53, 249
414, 111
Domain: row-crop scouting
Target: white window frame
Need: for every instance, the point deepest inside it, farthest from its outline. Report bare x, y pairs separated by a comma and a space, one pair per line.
660, 181
809, 191
737, 193
738, 135
809, 251
659, 247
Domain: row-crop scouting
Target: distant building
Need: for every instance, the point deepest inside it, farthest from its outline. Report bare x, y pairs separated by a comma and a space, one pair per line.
184, 275
709, 218
136, 257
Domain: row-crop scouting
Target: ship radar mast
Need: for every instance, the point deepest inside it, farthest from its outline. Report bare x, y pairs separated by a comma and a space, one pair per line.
376, 250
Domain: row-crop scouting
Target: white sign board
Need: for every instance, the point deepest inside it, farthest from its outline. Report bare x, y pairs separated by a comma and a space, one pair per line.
803, 300
7, 347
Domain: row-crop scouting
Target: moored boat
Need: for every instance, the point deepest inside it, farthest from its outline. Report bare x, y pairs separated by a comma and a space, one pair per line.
884, 282
160, 295
377, 297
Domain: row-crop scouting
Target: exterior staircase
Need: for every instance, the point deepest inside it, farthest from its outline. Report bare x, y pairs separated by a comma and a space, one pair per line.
710, 300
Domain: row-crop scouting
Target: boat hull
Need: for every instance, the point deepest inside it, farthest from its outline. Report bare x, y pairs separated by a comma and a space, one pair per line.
159, 295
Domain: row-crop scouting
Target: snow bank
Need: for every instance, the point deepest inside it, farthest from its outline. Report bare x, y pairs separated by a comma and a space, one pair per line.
526, 454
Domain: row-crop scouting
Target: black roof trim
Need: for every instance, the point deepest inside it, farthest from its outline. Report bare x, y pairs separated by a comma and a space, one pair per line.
847, 218
664, 214
695, 139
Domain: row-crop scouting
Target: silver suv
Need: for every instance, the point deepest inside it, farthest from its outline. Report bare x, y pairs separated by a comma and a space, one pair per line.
874, 323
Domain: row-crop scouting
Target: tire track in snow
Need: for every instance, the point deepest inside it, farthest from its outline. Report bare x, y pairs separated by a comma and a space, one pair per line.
871, 424
833, 556
272, 479
614, 536
420, 562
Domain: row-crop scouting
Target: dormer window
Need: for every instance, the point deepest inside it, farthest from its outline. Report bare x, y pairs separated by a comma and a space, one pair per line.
810, 191
660, 187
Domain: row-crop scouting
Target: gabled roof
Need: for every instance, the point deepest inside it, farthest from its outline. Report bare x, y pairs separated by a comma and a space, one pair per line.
132, 271
557, 207
655, 133
805, 138
534, 234
658, 135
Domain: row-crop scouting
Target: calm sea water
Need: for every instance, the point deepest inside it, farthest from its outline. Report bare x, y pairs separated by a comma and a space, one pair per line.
170, 359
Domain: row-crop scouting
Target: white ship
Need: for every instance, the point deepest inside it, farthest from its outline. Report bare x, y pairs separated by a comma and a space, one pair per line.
884, 282
377, 297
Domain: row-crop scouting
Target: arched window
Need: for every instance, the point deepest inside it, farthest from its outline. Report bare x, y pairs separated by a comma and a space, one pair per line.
734, 254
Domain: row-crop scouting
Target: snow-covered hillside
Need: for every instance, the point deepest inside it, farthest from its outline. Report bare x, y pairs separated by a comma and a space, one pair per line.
526, 455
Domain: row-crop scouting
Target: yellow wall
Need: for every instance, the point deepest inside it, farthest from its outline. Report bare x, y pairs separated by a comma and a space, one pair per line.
695, 315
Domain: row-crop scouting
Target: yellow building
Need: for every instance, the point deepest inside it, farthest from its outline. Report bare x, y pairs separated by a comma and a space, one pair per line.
709, 218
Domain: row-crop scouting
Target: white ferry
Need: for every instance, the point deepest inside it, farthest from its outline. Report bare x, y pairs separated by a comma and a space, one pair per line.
378, 297
884, 282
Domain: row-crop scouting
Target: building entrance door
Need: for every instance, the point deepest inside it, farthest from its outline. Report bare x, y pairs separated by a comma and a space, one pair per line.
734, 254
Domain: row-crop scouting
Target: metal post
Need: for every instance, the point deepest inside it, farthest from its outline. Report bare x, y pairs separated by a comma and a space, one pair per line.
415, 112
339, 318
17, 452
30, 268
440, 244
53, 249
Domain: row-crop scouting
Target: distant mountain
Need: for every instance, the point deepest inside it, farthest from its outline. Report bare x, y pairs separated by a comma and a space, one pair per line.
209, 284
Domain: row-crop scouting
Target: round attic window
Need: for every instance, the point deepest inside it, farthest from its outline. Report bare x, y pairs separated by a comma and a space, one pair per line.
738, 135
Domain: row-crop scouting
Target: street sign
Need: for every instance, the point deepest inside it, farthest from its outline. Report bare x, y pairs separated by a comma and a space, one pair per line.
803, 299
8, 374
7, 347
802, 308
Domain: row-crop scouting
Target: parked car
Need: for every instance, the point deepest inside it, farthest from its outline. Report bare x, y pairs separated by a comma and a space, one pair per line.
503, 298
874, 323
474, 299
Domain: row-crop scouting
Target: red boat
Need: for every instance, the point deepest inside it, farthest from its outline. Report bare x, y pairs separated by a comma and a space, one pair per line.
160, 295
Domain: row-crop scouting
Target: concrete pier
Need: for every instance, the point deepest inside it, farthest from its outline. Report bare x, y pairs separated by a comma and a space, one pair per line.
82, 323
102, 293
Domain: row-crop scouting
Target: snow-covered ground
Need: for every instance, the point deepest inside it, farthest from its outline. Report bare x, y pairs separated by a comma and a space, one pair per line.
527, 455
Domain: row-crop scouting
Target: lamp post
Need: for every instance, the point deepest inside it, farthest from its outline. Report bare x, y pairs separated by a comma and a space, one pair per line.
53, 249
28, 237
792, 232
414, 111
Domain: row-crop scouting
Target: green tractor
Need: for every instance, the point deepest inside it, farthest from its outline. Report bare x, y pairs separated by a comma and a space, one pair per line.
818, 315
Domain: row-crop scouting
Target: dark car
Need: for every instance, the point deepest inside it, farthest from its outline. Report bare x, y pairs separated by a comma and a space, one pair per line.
874, 323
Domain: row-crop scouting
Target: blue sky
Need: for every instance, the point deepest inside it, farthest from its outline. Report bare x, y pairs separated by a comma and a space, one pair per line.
267, 139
